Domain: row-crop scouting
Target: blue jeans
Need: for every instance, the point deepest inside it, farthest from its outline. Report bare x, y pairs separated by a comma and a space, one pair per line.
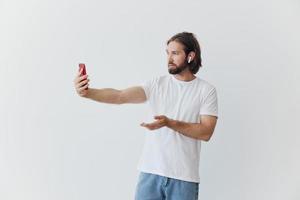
155, 187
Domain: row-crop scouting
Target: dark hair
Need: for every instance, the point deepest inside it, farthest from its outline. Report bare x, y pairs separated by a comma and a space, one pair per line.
190, 43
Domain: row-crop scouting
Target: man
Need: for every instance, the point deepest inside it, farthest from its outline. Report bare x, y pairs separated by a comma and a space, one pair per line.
185, 112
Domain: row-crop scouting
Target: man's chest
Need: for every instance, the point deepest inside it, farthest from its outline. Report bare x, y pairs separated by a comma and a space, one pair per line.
177, 102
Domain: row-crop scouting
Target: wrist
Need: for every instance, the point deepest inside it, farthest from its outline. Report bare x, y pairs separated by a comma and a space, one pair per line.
171, 123
85, 93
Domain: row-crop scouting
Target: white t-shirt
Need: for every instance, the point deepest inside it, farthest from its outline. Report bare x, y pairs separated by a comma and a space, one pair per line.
167, 152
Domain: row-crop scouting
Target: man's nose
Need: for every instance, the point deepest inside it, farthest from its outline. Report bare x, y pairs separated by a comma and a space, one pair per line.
170, 57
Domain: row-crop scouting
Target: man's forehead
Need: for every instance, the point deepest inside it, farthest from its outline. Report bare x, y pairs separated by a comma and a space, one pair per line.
175, 46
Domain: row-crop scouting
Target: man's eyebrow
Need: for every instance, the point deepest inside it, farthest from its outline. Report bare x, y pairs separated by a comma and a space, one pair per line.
172, 51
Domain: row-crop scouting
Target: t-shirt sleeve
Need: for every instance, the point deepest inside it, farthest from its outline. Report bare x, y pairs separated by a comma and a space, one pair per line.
148, 86
210, 104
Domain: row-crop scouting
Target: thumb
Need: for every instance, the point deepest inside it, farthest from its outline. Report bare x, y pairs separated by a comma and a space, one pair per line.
80, 71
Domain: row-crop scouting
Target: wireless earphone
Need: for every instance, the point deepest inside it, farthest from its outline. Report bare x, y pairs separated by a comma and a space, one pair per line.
189, 59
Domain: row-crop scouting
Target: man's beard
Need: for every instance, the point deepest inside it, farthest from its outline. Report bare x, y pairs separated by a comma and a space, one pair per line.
178, 69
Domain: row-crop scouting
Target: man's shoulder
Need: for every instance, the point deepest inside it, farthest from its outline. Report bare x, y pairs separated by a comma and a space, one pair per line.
155, 80
160, 78
205, 83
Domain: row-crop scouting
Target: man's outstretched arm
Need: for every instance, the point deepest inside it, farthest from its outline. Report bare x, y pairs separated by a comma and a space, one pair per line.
200, 131
108, 95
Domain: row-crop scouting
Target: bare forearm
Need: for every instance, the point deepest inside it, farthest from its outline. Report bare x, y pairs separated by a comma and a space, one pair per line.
105, 95
194, 130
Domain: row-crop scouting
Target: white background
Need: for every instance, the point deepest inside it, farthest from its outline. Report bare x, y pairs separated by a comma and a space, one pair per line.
55, 145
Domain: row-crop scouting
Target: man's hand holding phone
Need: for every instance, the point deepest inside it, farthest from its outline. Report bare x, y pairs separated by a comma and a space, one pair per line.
81, 81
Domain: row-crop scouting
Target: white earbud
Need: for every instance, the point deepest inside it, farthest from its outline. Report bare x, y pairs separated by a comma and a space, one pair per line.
189, 59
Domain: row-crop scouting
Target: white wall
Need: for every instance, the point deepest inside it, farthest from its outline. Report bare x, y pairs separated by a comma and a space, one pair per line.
56, 145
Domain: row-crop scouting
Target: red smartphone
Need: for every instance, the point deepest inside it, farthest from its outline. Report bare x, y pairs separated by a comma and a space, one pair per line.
82, 66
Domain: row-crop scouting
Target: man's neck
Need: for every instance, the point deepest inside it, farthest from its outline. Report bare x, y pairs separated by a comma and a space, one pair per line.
185, 76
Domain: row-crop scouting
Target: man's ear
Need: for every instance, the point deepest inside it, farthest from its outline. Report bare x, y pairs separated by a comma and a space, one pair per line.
191, 55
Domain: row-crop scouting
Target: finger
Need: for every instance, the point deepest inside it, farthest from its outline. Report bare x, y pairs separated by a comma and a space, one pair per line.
79, 79
154, 127
82, 77
82, 83
145, 125
80, 71
158, 117
155, 123
83, 88
79, 85
151, 126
